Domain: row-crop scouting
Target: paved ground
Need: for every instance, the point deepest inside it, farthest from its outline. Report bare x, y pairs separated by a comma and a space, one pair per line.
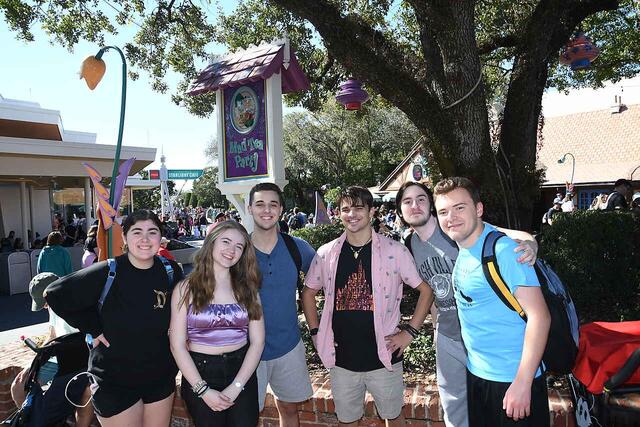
17, 319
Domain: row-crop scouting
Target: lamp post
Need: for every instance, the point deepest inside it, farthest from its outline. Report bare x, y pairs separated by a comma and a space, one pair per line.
93, 69
573, 164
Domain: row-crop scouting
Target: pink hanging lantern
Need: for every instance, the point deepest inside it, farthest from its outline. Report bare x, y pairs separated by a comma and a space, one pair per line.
351, 95
579, 53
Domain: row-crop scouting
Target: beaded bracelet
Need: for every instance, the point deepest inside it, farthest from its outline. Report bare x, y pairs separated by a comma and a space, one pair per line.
198, 386
409, 329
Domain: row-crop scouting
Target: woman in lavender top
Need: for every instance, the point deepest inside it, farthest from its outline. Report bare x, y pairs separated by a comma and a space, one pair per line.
217, 330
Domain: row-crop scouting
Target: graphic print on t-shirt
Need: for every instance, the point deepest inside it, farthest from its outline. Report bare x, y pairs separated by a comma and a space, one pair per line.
356, 294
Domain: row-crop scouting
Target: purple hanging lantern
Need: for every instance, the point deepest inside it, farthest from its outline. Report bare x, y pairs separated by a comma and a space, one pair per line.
351, 95
579, 53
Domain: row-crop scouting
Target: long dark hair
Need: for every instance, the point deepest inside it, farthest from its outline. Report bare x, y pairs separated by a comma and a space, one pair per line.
245, 274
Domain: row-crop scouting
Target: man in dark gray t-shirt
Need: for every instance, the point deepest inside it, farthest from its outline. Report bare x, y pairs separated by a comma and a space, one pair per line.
435, 256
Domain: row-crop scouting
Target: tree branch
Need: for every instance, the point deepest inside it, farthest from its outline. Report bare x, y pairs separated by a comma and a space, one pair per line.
366, 53
501, 40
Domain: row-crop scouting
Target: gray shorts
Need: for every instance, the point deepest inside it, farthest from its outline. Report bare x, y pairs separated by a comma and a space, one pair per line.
287, 376
451, 369
349, 387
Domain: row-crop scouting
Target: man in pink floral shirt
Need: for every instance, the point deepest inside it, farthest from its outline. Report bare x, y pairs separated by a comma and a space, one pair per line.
359, 338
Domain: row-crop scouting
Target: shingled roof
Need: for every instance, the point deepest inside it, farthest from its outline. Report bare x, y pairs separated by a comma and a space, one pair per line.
254, 63
606, 146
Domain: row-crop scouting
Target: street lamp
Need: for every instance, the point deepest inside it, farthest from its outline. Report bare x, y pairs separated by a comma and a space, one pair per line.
573, 164
92, 70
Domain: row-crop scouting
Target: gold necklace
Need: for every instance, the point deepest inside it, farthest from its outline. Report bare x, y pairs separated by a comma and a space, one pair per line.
356, 252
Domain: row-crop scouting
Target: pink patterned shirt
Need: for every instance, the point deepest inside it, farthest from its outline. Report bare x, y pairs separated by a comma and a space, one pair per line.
391, 265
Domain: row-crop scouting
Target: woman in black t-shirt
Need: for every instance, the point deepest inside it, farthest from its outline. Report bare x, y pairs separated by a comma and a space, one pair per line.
130, 361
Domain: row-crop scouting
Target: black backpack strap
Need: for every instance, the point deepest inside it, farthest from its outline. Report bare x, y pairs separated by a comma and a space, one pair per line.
111, 262
169, 268
407, 241
294, 251
493, 276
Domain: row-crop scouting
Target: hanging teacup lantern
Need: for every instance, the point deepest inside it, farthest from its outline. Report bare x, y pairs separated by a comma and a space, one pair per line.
351, 95
579, 53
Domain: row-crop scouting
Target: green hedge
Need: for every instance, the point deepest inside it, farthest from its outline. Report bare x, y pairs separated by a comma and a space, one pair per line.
597, 255
320, 234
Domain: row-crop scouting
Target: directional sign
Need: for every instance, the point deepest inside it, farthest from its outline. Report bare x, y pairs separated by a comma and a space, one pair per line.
185, 173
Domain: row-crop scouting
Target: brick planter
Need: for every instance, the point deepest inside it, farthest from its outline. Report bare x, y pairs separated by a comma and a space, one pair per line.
422, 403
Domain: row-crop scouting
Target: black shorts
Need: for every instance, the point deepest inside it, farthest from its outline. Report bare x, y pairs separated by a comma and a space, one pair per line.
484, 400
111, 399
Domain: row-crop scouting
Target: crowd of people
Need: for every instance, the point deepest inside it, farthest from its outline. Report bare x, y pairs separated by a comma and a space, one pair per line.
622, 198
231, 327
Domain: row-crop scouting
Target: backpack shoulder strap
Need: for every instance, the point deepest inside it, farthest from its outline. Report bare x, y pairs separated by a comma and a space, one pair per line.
111, 262
294, 251
493, 276
169, 268
407, 241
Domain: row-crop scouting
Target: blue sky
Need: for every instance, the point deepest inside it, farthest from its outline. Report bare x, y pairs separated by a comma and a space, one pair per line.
48, 74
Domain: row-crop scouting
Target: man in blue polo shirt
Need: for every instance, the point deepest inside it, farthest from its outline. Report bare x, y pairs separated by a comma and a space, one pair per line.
505, 385
283, 365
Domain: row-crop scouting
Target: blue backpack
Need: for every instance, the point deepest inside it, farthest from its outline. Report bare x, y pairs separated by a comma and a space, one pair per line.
562, 344
112, 275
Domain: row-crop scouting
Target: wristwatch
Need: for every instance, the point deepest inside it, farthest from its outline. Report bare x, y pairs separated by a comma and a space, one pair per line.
313, 332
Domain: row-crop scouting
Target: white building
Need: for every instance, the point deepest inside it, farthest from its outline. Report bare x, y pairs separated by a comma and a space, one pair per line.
41, 170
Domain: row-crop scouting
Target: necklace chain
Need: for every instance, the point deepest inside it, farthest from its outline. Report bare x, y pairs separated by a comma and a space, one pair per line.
356, 252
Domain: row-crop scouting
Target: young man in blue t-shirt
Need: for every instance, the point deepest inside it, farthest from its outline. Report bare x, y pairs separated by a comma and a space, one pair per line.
505, 385
283, 364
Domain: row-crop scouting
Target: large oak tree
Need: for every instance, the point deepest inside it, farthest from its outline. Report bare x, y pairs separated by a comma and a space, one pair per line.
441, 62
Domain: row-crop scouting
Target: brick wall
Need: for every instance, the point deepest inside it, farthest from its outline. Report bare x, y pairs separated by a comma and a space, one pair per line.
422, 404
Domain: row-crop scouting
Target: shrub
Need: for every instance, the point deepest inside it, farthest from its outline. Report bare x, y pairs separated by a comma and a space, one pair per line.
320, 234
597, 255
420, 356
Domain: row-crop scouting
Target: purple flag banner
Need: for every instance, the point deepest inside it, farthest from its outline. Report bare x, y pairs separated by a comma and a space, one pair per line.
321, 216
245, 132
121, 180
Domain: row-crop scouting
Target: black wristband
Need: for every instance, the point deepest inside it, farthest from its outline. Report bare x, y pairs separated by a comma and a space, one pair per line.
313, 332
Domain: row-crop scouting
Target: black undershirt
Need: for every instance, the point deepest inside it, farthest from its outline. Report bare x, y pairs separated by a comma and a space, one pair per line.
353, 327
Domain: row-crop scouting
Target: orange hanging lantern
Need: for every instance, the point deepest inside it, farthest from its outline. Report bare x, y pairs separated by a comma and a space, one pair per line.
92, 71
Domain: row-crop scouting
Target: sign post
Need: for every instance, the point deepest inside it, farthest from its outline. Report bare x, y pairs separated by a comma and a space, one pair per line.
249, 85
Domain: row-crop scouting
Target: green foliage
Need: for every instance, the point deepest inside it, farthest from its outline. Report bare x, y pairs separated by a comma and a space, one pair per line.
187, 199
194, 201
420, 356
320, 234
597, 255
206, 192
342, 148
331, 195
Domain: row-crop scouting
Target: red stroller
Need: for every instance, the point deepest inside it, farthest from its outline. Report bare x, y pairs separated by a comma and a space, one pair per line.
606, 379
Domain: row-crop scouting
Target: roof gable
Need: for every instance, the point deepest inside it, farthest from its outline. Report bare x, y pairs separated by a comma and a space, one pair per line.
255, 63
606, 146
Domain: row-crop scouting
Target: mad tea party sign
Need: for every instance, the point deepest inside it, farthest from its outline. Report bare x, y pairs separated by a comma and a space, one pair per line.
245, 132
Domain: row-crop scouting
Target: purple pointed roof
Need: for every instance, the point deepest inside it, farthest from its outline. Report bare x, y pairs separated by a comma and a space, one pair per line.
255, 63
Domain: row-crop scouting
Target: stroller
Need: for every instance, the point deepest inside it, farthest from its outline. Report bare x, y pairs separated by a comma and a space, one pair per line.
605, 384
47, 405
